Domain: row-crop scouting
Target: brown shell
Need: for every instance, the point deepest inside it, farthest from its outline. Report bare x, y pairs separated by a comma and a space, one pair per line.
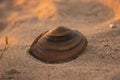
58, 45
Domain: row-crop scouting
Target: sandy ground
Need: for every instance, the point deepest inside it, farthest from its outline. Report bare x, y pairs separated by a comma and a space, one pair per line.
22, 21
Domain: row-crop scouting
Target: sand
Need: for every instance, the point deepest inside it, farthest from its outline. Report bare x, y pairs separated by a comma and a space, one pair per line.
22, 21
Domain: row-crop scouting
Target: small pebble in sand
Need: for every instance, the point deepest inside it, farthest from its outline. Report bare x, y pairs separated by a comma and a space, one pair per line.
105, 45
113, 26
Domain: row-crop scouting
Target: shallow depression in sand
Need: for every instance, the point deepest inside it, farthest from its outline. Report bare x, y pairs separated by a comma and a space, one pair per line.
88, 11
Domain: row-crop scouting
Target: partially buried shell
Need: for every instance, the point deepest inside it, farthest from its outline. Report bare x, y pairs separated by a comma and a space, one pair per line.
58, 45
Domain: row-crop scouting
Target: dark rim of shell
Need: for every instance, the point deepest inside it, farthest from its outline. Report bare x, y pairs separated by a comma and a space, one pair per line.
58, 45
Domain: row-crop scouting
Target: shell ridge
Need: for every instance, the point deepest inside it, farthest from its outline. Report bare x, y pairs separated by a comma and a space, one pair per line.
39, 46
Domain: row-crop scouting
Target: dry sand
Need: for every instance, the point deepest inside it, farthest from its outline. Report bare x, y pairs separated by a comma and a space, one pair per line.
22, 21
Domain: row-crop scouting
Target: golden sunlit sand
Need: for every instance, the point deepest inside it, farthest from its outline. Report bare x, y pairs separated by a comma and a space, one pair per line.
22, 21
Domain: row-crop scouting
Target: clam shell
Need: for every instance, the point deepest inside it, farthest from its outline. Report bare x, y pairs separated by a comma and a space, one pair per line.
58, 45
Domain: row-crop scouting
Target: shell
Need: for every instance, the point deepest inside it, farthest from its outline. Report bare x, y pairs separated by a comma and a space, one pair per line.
58, 45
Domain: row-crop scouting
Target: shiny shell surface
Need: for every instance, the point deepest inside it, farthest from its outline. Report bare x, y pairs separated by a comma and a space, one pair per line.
58, 45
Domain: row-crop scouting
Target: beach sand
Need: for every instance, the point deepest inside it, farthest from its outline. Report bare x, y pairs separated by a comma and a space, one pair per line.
22, 21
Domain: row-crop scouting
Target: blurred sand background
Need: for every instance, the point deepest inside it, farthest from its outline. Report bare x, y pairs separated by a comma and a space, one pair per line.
23, 20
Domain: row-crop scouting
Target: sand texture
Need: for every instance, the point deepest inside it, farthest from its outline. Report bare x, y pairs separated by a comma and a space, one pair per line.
23, 20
